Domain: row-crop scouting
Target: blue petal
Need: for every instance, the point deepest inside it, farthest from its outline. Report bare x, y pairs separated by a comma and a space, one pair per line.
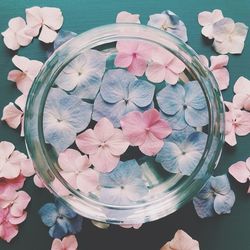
141, 93
76, 224
171, 99
114, 112
137, 190
64, 116
177, 121
224, 203
196, 117
90, 80
204, 207
113, 196
178, 137
59, 230
123, 174
115, 85
168, 157
220, 184
195, 97
64, 210
196, 142
48, 214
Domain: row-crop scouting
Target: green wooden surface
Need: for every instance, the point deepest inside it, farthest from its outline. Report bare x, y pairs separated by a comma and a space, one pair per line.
229, 232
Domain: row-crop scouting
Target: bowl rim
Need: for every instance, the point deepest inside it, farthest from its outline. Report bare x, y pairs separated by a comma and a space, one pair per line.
35, 143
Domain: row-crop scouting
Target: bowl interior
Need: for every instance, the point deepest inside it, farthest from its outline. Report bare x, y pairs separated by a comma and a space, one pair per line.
126, 123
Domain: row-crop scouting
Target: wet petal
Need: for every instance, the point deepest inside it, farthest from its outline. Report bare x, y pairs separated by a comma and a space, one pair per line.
87, 180
170, 99
191, 115
155, 72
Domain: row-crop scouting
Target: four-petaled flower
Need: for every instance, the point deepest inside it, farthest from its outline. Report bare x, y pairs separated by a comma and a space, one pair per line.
145, 130
24, 77
64, 116
164, 67
241, 98
169, 22
229, 37
83, 75
207, 20
48, 19
67, 243
216, 197
61, 219
181, 241
183, 105
182, 151
218, 68
241, 171
104, 144
237, 122
120, 93
133, 55
18, 34
124, 185
76, 170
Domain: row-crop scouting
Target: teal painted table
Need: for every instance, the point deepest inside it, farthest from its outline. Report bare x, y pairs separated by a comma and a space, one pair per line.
230, 232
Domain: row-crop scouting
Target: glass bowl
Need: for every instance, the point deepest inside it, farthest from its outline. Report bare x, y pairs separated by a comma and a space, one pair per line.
160, 180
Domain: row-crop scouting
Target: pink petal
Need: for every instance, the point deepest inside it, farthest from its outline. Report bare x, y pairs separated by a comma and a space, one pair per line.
12, 185
34, 19
87, 142
243, 123
171, 77
24, 84
38, 182
18, 220
204, 60
23, 37
15, 75
6, 149
205, 18
138, 66
68, 159
57, 245
70, 243
248, 163
12, 115
59, 188
183, 241
176, 65
21, 102
47, 35
52, 17
70, 177
20, 203
127, 46
161, 129
103, 160
242, 85
239, 171
222, 77
155, 72
239, 100
123, 60
134, 128
104, 129
152, 145
33, 68
117, 144
126, 17
87, 180
27, 167
230, 138
218, 62
9, 38
8, 231
17, 23
150, 117
21, 62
